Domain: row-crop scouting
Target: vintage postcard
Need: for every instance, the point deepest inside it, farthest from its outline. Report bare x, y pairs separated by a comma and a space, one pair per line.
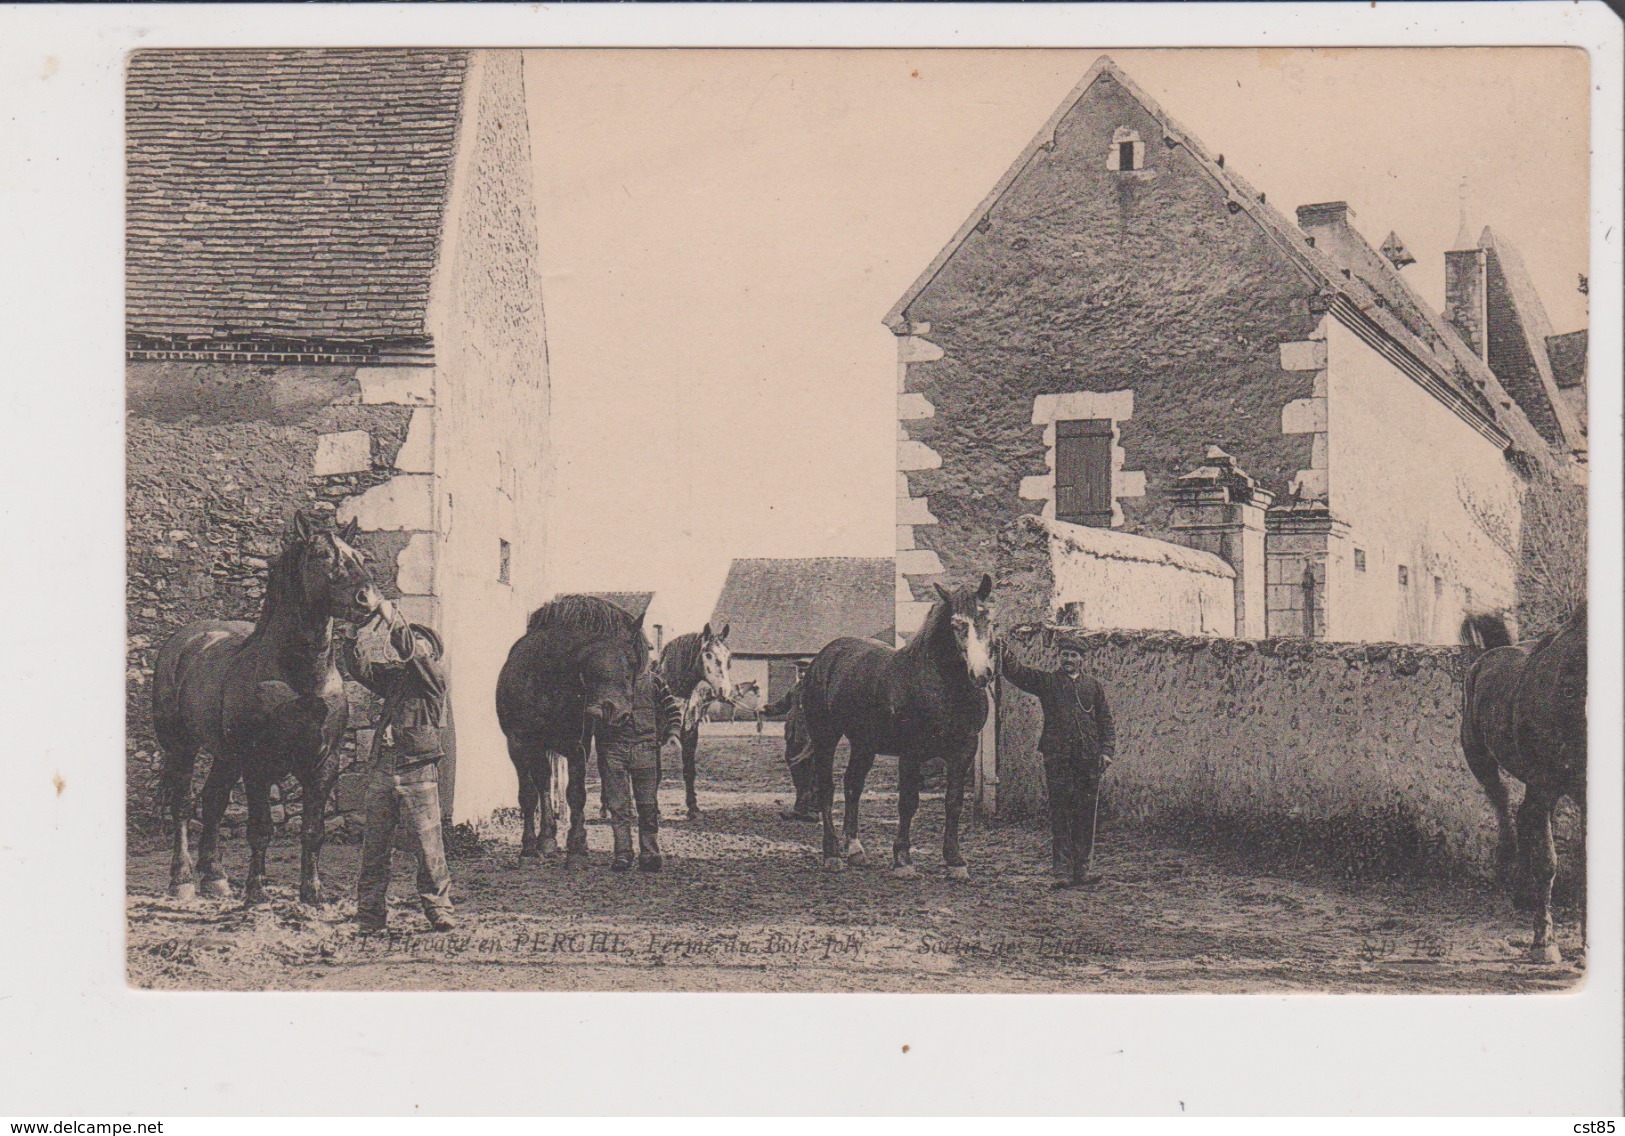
857, 520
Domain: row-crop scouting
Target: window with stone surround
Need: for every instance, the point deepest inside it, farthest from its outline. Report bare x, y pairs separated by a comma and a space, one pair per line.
1359, 560
1083, 471
1126, 153
504, 562
1404, 576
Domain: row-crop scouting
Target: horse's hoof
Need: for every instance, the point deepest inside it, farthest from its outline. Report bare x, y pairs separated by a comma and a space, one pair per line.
958, 872
1548, 954
184, 892
575, 862
255, 897
694, 812
530, 854
220, 888
856, 856
906, 872
833, 864
312, 897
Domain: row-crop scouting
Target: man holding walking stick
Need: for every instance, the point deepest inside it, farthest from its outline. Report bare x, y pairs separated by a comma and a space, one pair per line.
1078, 744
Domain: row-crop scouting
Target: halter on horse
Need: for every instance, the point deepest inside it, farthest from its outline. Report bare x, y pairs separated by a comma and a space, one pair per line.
263, 700
925, 701
696, 667
571, 672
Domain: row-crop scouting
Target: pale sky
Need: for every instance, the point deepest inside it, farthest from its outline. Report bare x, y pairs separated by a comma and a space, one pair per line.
722, 232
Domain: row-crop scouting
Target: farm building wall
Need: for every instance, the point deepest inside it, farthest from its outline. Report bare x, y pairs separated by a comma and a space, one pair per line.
219, 458
492, 451
1422, 493
1343, 754
1136, 296
1104, 579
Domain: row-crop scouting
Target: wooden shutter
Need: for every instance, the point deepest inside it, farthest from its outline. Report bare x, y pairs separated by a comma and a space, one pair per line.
1083, 471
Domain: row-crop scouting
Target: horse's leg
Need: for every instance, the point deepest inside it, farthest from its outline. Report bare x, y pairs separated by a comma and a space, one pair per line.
1540, 866
179, 761
953, 802
529, 760
1488, 772
575, 844
823, 759
554, 791
691, 745
259, 835
216, 798
315, 785
857, 773
908, 802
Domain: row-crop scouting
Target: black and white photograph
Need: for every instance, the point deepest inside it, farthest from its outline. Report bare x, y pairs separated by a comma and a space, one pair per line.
797, 560
616, 520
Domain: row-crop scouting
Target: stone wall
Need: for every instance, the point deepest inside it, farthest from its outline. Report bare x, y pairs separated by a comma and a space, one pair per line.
219, 457
1143, 290
1339, 755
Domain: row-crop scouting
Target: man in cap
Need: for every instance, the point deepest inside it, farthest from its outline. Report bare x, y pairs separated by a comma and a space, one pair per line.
400, 662
1079, 741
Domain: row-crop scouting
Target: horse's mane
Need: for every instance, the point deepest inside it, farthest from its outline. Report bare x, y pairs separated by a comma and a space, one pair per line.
281, 585
681, 656
587, 614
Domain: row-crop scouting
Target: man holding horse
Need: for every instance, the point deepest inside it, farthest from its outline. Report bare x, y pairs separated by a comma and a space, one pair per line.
1077, 745
400, 662
797, 748
631, 752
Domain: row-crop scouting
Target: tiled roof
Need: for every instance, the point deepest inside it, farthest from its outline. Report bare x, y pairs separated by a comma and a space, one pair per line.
287, 195
1507, 280
796, 607
633, 603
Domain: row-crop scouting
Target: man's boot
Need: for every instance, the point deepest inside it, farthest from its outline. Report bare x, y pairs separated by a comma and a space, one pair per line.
623, 847
646, 793
649, 859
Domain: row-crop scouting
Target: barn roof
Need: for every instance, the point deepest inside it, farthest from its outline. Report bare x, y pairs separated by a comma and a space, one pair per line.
1428, 348
287, 195
795, 607
633, 603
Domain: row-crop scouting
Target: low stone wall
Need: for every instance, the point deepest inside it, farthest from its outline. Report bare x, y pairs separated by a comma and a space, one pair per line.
1345, 755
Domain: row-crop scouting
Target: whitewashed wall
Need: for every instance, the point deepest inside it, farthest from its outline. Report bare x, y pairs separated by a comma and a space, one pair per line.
1108, 580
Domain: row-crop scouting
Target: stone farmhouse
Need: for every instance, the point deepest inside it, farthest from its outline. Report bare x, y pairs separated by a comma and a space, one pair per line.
334, 302
1222, 422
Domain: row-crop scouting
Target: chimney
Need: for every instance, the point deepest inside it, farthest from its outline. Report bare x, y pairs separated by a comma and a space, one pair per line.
1324, 214
1464, 297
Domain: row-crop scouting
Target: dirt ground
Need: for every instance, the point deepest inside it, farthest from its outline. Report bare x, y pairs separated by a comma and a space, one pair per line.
744, 905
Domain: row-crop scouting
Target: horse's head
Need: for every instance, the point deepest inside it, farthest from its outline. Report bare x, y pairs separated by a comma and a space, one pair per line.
967, 616
609, 667
715, 662
328, 572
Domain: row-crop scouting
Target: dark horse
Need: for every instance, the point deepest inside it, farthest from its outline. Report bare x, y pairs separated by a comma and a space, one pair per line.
570, 674
263, 700
1524, 712
696, 669
924, 701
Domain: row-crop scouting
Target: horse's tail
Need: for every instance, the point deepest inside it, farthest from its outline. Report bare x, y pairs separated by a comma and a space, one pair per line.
1480, 633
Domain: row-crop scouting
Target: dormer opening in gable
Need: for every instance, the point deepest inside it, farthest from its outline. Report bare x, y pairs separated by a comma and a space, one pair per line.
1127, 152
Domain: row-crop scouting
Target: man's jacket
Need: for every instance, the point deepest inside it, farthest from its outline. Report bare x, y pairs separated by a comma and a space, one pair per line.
1077, 720
656, 718
407, 733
